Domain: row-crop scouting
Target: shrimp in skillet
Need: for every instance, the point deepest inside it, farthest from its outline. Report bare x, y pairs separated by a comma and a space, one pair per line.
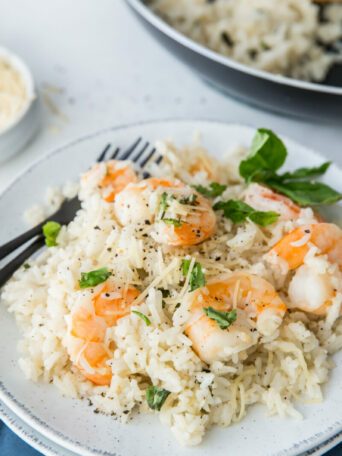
259, 310
87, 325
311, 288
181, 216
110, 178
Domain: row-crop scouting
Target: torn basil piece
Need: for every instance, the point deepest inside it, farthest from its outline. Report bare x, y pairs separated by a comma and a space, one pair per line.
175, 222
223, 319
197, 278
51, 230
93, 278
238, 212
213, 191
143, 317
156, 397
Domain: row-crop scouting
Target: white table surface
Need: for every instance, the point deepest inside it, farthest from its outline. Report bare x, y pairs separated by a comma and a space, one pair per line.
111, 72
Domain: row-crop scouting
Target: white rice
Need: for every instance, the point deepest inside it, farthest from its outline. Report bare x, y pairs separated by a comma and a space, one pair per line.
277, 371
285, 37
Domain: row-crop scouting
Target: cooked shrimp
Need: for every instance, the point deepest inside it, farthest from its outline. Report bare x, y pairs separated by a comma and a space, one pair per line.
140, 201
181, 215
263, 198
111, 177
311, 289
293, 247
87, 325
255, 300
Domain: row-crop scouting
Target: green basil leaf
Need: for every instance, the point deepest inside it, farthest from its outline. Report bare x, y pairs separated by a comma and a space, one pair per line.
263, 218
213, 191
223, 319
197, 279
156, 397
307, 193
143, 317
165, 292
163, 203
235, 210
190, 200
171, 221
51, 230
264, 45
185, 265
93, 278
26, 266
239, 211
268, 154
303, 173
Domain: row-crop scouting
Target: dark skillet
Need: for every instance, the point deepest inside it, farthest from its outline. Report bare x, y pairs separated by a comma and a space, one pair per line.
288, 96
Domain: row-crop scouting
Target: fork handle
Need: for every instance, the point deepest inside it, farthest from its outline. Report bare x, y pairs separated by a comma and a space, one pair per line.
7, 271
20, 240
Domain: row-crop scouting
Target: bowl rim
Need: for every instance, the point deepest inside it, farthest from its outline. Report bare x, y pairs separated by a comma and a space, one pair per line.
174, 34
22, 68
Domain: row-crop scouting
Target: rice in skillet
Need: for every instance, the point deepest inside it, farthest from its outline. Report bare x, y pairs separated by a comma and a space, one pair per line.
291, 364
287, 37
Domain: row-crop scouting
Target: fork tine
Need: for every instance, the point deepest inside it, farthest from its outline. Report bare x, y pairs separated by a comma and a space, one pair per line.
147, 158
139, 154
69, 207
159, 159
115, 154
103, 153
146, 174
130, 150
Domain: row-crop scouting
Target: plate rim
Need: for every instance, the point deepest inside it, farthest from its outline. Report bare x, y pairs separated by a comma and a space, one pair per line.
30, 435
20, 409
174, 34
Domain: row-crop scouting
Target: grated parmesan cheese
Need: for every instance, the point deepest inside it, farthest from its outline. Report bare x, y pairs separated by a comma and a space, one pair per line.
12, 94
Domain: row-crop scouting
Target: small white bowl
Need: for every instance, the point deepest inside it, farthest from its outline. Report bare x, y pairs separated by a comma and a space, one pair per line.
17, 133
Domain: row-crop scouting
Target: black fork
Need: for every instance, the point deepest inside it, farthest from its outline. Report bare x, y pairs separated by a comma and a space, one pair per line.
65, 214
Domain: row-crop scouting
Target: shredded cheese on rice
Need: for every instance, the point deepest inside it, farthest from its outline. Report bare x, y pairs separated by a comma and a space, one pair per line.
290, 365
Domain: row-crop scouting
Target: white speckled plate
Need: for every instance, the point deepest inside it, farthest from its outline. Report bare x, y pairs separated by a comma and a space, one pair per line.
49, 448
71, 424
30, 435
